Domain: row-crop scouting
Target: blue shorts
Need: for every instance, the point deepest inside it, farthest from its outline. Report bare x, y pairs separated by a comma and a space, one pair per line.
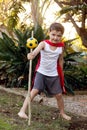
48, 84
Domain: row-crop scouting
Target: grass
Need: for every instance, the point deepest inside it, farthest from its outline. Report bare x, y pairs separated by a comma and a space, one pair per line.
43, 117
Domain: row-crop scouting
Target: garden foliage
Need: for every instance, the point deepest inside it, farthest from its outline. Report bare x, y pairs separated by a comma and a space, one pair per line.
14, 64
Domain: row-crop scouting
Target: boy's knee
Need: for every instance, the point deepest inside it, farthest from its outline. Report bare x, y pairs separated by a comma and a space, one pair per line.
58, 96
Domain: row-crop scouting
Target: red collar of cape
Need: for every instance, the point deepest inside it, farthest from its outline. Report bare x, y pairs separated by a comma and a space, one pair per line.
59, 69
59, 44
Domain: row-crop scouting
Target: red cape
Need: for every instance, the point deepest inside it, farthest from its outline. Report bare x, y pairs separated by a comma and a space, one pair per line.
59, 69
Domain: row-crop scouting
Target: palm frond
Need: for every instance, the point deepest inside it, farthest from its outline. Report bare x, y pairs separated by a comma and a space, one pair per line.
72, 8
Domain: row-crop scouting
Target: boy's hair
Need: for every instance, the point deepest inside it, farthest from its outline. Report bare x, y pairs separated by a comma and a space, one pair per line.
57, 27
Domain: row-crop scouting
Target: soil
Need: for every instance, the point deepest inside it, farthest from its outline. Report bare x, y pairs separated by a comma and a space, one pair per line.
43, 117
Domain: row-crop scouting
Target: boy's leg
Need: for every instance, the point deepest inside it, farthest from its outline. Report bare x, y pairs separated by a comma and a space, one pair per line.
22, 112
60, 103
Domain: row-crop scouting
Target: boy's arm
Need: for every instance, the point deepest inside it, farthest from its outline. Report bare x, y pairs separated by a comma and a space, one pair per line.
61, 60
34, 53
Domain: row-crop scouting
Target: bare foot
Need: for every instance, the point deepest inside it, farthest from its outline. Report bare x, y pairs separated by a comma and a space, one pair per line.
66, 117
22, 115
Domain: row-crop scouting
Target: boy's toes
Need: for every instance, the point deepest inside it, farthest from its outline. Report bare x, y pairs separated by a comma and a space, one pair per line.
22, 115
66, 117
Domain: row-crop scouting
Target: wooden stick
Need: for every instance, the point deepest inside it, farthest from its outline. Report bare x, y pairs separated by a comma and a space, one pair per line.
29, 94
29, 88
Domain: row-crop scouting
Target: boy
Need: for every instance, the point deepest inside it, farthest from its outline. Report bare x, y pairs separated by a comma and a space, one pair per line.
47, 76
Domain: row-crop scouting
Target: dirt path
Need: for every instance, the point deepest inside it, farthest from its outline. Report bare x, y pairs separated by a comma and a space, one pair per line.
75, 104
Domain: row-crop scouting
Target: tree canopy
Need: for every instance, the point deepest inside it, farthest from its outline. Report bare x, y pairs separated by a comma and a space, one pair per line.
75, 11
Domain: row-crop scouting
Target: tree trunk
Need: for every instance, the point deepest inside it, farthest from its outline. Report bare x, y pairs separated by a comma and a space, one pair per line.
82, 31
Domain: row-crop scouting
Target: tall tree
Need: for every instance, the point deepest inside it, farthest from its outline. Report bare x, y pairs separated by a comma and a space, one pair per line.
38, 10
76, 11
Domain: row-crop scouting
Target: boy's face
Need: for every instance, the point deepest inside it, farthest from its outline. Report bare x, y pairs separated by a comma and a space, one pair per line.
55, 36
